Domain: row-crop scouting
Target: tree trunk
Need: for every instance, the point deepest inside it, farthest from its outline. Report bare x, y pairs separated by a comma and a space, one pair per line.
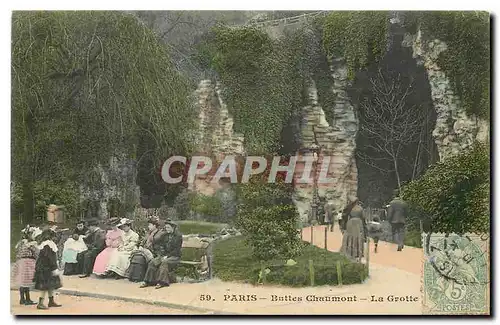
28, 195
417, 160
397, 173
27, 177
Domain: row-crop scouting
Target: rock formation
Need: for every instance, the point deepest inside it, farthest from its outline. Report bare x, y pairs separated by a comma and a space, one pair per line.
336, 141
455, 130
216, 135
116, 181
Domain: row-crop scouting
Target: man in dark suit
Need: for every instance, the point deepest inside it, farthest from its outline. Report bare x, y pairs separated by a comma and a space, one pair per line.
96, 242
396, 215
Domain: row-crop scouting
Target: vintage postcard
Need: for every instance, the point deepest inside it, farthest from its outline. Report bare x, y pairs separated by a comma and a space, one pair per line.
250, 163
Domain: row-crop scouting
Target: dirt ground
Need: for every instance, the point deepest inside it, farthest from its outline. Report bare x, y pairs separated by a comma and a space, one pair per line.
73, 305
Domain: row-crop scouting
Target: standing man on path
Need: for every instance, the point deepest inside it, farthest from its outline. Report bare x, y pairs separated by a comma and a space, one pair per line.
396, 215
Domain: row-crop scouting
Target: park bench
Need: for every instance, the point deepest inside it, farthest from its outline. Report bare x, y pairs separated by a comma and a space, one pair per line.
197, 255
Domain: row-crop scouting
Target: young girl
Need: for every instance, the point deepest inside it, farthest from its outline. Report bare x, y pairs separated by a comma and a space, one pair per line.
375, 231
24, 269
47, 275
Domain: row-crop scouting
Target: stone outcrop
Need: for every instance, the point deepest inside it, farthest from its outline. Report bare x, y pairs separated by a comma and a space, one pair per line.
455, 130
336, 140
216, 136
115, 181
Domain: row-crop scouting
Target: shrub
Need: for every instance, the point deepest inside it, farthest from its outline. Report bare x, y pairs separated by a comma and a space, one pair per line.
271, 231
268, 219
210, 207
455, 192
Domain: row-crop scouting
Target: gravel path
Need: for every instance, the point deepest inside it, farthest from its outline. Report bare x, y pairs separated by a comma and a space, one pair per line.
73, 305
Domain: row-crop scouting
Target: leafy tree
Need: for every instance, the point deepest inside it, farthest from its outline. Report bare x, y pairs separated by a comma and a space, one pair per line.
455, 192
83, 86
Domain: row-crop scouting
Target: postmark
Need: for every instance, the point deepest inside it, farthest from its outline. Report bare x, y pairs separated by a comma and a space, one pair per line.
455, 274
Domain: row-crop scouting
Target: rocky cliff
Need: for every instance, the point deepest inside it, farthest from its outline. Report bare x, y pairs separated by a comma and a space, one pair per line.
215, 134
455, 130
111, 186
338, 141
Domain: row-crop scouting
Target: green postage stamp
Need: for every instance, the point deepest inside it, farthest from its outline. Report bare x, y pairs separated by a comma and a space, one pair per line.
455, 275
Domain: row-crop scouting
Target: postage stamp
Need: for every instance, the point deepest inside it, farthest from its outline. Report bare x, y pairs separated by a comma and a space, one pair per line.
455, 275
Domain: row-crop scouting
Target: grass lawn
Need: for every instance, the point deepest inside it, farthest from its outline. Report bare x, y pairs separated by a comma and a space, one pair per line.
199, 227
233, 261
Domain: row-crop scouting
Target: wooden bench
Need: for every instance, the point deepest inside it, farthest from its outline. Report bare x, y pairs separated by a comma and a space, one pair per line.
203, 256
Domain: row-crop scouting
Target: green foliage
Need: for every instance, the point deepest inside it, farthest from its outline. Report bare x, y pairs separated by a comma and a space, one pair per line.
413, 238
46, 193
262, 80
358, 36
84, 84
268, 219
210, 207
467, 59
455, 192
234, 261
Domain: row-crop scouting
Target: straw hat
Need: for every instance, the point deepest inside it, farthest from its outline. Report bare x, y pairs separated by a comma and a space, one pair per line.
124, 221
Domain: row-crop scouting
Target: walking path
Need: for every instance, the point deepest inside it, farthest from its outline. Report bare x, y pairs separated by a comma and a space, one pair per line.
86, 305
391, 274
410, 259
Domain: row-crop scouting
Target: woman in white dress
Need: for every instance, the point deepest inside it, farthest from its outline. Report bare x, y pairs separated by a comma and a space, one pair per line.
120, 259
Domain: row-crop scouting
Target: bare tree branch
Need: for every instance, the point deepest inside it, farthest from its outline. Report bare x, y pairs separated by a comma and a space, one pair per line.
389, 122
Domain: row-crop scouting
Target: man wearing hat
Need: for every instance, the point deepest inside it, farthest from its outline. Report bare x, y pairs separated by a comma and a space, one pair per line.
120, 259
95, 241
396, 215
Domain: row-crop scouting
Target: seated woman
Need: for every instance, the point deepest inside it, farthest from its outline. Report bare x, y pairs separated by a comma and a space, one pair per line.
113, 241
167, 257
72, 247
140, 258
120, 259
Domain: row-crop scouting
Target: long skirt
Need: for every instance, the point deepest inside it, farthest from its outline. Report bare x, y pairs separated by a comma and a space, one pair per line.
86, 260
119, 262
159, 270
353, 240
137, 268
44, 280
23, 272
102, 260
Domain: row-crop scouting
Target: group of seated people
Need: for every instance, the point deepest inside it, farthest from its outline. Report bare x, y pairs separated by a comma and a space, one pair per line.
117, 252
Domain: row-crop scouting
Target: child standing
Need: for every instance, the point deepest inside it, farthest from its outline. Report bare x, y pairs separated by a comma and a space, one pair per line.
375, 230
47, 275
24, 269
